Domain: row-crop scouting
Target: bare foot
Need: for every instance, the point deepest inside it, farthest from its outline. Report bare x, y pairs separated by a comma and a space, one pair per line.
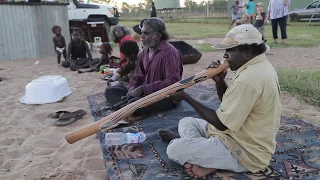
166, 135
196, 171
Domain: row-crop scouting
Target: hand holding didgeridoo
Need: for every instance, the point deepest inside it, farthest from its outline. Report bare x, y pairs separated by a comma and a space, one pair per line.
108, 122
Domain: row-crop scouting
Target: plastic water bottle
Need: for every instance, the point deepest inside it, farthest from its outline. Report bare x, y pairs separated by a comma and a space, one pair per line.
112, 139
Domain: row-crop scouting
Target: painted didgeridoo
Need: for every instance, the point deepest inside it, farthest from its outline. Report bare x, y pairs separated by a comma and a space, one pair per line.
118, 115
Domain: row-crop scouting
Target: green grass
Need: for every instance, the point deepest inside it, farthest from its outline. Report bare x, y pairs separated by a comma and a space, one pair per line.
205, 47
304, 84
299, 34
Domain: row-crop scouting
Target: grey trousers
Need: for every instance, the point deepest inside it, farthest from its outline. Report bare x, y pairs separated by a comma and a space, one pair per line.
194, 148
261, 30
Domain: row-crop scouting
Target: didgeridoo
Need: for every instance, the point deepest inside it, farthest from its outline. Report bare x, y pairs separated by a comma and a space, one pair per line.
118, 115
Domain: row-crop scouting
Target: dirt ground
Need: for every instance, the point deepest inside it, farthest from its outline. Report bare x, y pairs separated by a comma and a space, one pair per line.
32, 148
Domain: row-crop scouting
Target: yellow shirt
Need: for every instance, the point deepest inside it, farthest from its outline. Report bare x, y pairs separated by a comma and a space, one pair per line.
250, 109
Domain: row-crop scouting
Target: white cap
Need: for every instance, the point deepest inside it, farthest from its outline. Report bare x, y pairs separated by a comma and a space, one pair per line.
242, 34
260, 4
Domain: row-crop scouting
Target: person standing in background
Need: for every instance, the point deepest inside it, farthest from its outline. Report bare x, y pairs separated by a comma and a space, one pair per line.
260, 18
153, 11
250, 9
278, 11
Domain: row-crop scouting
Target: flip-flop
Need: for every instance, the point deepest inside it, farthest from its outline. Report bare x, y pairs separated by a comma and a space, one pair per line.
106, 78
69, 118
56, 115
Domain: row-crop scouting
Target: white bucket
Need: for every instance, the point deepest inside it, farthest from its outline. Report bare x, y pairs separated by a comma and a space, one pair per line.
46, 89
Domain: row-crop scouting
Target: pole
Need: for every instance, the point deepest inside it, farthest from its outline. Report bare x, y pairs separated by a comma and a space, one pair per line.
207, 9
316, 10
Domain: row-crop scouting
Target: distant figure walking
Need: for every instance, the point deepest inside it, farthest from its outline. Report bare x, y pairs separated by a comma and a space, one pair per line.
235, 16
153, 11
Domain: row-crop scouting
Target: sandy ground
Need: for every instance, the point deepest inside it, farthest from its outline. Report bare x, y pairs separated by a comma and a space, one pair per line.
32, 148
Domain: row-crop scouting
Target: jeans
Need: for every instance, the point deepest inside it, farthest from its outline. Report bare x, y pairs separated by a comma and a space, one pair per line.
283, 27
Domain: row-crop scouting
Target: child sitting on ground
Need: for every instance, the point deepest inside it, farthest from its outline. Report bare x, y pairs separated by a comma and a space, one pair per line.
130, 49
59, 43
105, 50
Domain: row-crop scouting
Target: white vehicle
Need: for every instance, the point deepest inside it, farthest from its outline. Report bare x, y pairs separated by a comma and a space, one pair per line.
78, 10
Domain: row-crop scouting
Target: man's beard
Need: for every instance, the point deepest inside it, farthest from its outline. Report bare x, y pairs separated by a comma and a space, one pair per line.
151, 44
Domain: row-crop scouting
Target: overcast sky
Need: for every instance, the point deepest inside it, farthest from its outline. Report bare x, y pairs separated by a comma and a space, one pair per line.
138, 1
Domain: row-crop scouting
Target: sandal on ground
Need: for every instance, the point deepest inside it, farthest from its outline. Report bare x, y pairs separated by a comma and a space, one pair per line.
56, 115
69, 118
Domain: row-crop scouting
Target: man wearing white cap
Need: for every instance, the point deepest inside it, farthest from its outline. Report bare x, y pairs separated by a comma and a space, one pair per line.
240, 135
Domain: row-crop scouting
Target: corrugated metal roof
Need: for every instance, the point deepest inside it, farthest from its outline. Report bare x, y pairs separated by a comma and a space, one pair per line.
25, 30
167, 4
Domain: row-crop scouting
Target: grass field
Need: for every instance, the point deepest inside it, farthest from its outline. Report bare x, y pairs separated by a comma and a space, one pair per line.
299, 34
303, 84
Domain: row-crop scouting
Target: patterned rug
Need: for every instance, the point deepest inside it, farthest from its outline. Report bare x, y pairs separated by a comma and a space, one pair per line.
297, 155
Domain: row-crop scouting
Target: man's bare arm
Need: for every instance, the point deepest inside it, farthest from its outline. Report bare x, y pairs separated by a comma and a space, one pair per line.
54, 44
206, 113
221, 88
88, 51
68, 52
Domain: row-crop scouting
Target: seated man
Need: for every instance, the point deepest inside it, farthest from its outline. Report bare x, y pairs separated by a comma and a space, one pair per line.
159, 65
240, 135
77, 53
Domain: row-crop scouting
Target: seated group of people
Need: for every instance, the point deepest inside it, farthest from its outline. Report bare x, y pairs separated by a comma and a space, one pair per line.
238, 136
78, 54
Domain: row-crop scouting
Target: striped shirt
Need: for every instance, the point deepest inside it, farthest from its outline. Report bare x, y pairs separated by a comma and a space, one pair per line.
164, 68
278, 9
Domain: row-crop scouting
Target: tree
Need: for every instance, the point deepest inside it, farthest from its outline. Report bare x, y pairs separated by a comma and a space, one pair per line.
126, 8
107, 1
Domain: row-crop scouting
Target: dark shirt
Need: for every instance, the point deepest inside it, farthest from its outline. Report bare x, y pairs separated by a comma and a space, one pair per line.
78, 51
126, 71
153, 12
164, 68
260, 22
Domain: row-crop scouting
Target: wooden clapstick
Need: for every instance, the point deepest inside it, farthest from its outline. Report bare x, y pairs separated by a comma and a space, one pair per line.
120, 114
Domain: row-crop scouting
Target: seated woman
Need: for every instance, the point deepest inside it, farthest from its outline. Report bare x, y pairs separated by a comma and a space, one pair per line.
118, 35
77, 53
105, 51
130, 49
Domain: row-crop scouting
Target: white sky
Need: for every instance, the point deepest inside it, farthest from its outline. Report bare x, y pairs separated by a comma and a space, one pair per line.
119, 2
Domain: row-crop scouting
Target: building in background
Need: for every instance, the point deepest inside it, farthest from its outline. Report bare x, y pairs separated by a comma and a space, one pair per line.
25, 30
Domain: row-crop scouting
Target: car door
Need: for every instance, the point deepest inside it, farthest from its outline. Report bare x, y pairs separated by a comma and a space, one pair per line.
310, 10
71, 10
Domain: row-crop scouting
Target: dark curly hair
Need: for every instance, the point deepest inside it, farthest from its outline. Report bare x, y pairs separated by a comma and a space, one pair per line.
113, 37
129, 47
107, 47
257, 49
157, 25
54, 28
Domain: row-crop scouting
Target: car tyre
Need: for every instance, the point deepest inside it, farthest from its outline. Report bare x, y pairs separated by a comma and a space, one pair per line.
294, 18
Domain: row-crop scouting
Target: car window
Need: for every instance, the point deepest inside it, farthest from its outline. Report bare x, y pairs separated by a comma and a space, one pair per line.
313, 5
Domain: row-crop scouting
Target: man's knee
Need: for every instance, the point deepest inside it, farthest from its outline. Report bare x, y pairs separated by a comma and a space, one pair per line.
186, 121
174, 152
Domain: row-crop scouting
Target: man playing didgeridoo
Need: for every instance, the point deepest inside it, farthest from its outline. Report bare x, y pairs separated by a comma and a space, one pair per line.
240, 135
